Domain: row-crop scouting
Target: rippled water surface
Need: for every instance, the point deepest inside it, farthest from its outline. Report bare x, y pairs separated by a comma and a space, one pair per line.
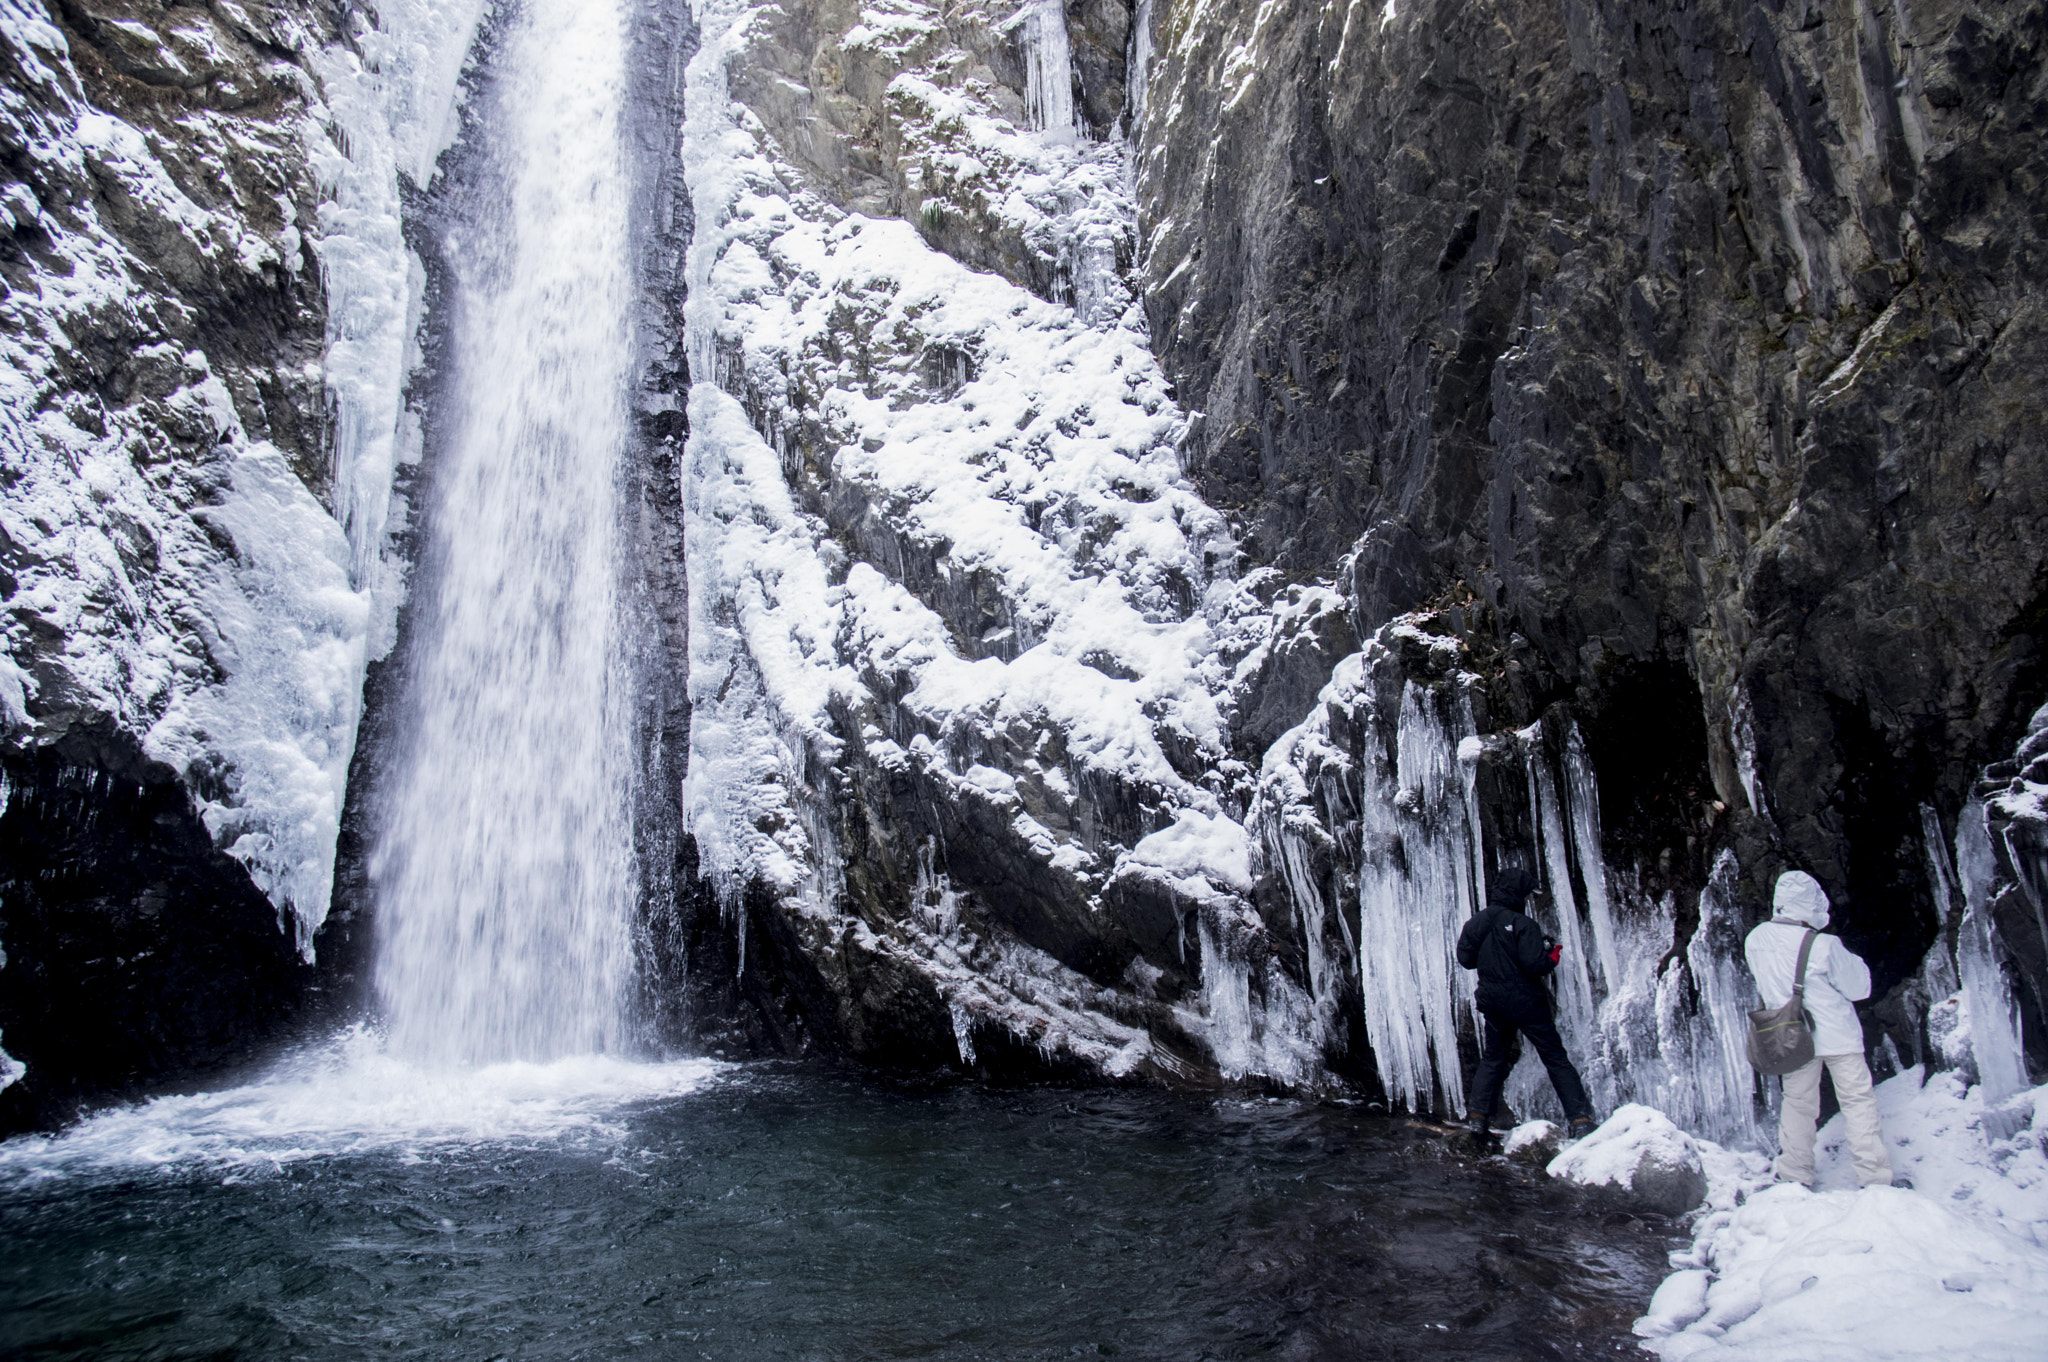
791, 1213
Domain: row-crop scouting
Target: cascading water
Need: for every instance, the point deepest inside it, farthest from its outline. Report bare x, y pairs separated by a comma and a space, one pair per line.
503, 872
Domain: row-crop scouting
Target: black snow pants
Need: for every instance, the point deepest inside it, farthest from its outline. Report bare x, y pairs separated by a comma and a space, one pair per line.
1498, 1057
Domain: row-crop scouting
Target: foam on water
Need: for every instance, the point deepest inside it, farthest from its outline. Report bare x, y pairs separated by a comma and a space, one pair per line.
352, 1096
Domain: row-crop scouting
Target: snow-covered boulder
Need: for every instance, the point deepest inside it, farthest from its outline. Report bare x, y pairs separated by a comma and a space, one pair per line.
1534, 1142
1640, 1157
1873, 1274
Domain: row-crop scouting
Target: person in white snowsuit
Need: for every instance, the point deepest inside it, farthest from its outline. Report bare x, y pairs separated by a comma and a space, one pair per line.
1836, 979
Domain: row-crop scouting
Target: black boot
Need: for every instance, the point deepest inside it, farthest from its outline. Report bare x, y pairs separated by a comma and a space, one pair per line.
1581, 1127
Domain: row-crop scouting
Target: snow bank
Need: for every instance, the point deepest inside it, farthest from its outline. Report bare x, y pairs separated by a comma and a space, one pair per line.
1875, 1274
1957, 1267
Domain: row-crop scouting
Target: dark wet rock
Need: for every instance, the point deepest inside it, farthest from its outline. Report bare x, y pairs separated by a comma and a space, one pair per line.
1667, 1188
1685, 338
135, 954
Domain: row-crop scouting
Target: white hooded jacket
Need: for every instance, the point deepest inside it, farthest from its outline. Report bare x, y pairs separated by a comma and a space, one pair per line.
1835, 977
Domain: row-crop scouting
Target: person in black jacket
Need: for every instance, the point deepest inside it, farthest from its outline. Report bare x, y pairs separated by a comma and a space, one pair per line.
1513, 957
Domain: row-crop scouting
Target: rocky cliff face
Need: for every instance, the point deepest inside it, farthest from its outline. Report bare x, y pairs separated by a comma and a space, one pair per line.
1657, 379
179, 626
1692, 348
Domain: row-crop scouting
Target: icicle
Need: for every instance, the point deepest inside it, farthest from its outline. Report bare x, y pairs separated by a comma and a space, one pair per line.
1470, 749
1048, 69
1415, 893
1720, 1077
1137, 81
1994, 1026
1288, 848
1582, 793
1574, 979
963, 1031
1939, 969
1577, 1017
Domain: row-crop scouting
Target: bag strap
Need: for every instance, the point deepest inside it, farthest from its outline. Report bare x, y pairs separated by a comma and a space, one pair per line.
1799, 975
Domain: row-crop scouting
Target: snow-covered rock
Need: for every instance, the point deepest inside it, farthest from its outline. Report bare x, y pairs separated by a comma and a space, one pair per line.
1536, 1142
1639, 1156
954, 608
199, 456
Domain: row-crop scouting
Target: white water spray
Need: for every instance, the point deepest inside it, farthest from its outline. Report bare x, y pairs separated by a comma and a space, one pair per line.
503, 874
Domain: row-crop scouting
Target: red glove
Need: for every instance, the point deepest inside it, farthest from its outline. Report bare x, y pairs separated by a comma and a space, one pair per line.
1556, 953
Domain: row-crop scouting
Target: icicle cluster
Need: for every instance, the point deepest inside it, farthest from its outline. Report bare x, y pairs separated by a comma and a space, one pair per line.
1369, 813
1048, 68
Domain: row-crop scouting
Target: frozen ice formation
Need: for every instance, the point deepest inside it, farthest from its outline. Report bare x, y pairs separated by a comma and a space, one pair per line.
179, 583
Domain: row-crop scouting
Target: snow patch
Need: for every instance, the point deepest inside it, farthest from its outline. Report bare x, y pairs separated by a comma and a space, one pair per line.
1200, 845
1956, 1267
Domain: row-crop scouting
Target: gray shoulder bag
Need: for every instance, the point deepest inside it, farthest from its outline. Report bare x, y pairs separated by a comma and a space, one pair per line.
1779, 1038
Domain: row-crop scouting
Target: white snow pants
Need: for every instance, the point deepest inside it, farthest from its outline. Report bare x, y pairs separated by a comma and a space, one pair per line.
1859, 1113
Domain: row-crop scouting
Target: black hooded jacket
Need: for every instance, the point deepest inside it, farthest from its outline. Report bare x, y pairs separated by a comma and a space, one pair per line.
1511, 953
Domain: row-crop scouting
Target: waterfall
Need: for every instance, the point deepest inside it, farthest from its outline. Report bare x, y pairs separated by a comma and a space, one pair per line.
503, 870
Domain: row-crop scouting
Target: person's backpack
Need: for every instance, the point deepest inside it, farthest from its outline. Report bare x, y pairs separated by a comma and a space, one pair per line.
1779, 1038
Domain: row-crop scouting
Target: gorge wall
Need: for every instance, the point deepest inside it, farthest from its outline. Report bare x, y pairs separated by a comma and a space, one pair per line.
176, 689
1656, 379
1140, 510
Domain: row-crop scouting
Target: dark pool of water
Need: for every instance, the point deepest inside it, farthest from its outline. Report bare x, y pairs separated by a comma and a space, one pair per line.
796, 1214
